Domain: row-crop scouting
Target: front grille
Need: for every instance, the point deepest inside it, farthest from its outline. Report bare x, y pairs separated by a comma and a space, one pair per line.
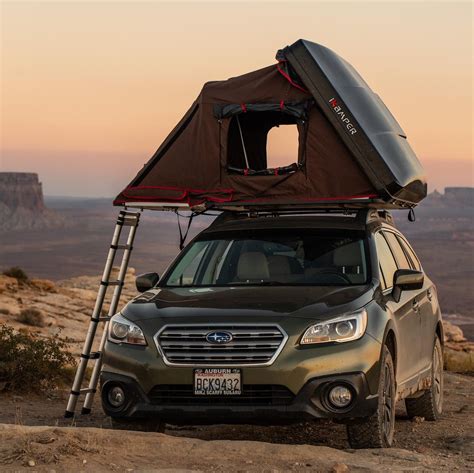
251, 344
252, 395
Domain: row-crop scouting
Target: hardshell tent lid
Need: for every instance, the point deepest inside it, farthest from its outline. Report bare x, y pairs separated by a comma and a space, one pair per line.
351, 151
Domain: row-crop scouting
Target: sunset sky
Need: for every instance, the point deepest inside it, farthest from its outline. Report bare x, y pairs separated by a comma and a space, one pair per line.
90, 89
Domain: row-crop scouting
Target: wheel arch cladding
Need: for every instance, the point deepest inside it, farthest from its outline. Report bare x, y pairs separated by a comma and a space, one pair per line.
390, 342
440, 332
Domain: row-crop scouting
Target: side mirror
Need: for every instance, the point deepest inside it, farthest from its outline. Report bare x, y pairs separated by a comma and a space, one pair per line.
406, 280
146, 281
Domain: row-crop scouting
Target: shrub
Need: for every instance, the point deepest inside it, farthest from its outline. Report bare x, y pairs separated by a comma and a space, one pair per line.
4, 311
28, 362
31, 316
17, 273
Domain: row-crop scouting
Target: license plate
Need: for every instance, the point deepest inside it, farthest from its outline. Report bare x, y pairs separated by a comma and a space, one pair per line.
217, 382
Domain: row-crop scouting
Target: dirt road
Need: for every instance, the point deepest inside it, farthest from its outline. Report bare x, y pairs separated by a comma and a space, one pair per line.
88, 444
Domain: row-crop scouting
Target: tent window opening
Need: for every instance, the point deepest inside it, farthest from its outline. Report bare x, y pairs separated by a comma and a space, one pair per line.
264, 139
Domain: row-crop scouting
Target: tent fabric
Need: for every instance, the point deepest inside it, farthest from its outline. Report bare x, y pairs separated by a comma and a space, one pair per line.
195, 165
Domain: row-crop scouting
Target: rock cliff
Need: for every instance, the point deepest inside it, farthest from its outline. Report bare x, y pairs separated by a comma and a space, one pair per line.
21, 203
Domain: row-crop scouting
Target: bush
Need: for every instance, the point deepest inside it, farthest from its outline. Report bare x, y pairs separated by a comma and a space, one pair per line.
17, 273
29, 363
32, 316
4, 311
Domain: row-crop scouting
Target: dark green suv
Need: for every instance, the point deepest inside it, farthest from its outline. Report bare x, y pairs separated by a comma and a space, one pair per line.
281, 318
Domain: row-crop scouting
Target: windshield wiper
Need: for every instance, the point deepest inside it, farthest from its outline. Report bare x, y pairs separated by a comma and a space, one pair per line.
272, 283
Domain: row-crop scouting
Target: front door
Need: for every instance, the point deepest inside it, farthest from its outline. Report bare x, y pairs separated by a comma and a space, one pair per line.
405, 313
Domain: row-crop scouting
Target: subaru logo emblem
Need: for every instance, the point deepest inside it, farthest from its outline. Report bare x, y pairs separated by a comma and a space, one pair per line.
219, 337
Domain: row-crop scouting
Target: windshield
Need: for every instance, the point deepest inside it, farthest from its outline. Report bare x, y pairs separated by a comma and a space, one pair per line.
319, 258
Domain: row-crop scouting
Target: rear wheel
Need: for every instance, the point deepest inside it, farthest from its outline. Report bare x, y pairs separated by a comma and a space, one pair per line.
142, 425
377, 430
430, 404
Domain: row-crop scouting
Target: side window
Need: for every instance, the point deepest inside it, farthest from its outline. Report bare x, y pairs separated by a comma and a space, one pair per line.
386, 259
400, 256
409, 251
185, 272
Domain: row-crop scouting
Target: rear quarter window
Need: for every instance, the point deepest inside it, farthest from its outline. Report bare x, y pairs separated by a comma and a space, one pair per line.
411, 254
387, 262
400, 255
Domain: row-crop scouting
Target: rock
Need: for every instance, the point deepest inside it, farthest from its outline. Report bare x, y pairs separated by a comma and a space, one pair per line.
452, 333
31, 463
44, 285
339, 468
7, 283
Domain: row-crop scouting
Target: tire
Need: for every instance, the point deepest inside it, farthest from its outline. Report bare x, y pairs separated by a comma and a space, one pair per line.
430, 404
141, 425
377, 430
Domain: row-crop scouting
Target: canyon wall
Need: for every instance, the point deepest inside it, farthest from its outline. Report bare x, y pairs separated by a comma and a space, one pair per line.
21, 203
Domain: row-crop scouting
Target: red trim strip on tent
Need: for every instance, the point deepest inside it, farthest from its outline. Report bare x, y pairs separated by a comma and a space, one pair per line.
289, 79
186, 194
188, 198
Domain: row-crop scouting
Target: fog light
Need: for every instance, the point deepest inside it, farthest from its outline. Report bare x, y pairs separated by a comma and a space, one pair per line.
340, 396
116, 396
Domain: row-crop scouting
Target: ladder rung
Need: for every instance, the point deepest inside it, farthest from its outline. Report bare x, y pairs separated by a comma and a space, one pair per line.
129, 212
121, 247
93, 355
111, 283
127, 221
105, 318
87, 390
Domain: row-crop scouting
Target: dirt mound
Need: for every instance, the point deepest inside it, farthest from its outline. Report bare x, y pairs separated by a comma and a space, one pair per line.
446, 445
91, 449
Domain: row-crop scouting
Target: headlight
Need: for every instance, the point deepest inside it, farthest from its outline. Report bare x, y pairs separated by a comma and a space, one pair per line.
341, 329
122, 330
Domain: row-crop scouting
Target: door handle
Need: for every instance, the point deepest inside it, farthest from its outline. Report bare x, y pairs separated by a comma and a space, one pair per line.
429, 293
416, 305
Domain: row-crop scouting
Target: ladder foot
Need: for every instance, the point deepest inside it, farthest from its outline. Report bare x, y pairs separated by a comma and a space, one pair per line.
68, 414
85, 411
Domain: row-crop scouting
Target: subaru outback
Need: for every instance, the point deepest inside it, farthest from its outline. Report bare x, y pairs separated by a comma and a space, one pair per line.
274, 318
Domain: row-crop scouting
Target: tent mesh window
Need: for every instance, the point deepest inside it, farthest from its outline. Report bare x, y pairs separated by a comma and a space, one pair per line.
247, 139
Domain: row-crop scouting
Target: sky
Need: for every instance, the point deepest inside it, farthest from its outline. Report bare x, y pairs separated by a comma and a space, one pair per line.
90, 89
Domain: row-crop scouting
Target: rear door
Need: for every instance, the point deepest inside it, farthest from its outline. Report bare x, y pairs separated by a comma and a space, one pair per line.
428, 307
405, 314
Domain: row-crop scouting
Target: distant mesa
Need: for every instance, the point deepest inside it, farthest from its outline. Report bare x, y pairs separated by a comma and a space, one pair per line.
457, 196
22, 205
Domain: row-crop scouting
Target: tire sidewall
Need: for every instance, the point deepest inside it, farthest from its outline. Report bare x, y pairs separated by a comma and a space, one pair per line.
386, 361
437, 351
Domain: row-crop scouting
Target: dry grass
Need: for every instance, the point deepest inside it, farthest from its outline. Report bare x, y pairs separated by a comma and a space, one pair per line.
31, 316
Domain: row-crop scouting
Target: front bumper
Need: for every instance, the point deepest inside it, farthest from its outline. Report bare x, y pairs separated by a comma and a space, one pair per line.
309, 403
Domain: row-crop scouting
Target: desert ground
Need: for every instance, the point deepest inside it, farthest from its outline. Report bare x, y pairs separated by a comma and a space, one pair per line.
33, 432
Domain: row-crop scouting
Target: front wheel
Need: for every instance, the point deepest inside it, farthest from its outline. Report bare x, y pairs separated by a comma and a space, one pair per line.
430, 404
377, 430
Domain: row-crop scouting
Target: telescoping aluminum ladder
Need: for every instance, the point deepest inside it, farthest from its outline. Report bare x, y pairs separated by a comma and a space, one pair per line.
125, 219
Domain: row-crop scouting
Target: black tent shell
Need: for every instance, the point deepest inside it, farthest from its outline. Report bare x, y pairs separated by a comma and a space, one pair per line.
361, 119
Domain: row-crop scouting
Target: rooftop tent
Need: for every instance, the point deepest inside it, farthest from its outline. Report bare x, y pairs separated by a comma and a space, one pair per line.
348, 147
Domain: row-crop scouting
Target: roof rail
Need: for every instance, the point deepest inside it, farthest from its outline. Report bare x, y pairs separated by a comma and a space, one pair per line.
364, 216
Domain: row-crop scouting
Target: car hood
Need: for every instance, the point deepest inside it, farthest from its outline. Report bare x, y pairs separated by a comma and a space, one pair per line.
277, 301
